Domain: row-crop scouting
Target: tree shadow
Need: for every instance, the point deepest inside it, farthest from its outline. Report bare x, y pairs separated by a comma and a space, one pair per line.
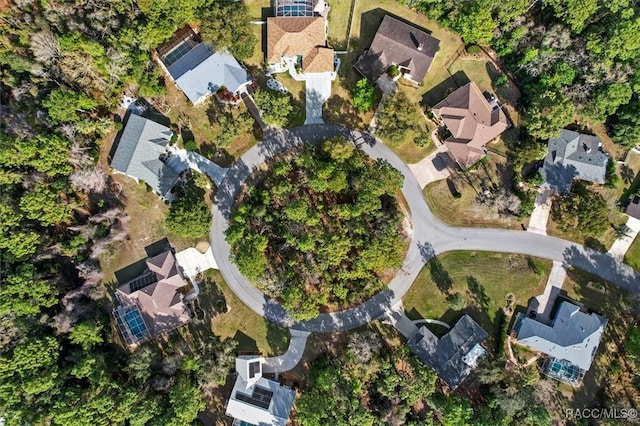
338, 110
595, 244
440, 276
477, 292
246, 344
442, 90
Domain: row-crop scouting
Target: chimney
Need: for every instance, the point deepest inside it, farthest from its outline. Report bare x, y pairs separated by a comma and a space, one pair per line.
586, 148
420, 46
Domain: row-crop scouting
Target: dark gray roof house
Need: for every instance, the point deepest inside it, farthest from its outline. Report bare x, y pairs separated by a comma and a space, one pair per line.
140, 153
456, 354
409, 48
570, 156
570, 341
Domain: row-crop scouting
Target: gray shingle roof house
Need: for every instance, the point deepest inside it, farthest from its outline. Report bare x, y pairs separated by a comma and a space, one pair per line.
140, 154
256, 400
456, 354
151, 303
573, 155
570, 341
200, 71
409, 48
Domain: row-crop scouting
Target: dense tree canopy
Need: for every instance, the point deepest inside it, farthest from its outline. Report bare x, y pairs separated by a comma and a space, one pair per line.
275, 107
395, 118
189, 216
321, 228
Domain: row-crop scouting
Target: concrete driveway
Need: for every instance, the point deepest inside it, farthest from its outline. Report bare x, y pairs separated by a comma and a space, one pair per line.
622, 244
318, 90
181, 159
434, 167
193, 262
540, 214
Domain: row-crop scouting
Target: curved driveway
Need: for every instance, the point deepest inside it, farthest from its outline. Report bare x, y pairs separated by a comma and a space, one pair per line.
430, 237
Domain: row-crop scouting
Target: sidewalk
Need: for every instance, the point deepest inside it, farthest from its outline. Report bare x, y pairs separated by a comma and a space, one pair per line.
622, 244
540, 214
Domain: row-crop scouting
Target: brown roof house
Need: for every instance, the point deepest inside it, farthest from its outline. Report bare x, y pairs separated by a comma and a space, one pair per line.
297, 40
473, 122
398, 44
151, 304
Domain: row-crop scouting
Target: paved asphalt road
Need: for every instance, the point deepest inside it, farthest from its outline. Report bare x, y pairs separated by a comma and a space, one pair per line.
430, 237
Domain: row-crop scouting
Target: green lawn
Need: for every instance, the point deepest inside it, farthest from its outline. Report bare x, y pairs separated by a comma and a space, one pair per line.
465, 211
407, 149
632, 258
252, 332
483, 279
339, 23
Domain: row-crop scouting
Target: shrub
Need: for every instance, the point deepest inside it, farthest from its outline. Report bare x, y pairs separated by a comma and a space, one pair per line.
501, 81
474, 49
424, 139
363, 95
393, 71
190, 144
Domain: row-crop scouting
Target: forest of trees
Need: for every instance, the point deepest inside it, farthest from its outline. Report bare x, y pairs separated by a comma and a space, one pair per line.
65, 66
568, 56
322, 228
373, 383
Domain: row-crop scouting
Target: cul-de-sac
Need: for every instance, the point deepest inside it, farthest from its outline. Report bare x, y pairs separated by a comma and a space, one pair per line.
309, 212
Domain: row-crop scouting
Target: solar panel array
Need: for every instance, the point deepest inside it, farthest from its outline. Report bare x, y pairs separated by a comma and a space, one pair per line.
142, 281
260, 398
177, 53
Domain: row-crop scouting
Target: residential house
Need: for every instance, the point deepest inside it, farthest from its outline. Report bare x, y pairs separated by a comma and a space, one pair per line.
152, 303
199, 71
570, 156
141, 153
256, 400
453, 356
398, 44
297, 40
569, 341
472, 121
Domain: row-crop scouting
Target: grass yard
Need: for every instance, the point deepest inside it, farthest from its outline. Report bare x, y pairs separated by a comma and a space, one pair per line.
482, 278
465, 211
339, 14
632, 257
252, 332
407, 150
146, 225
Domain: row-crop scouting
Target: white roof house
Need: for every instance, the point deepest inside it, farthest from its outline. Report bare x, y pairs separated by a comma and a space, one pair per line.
256, 400
199, 71
571, 340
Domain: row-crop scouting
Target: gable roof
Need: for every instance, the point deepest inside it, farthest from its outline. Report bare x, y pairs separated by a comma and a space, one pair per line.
472, 121
304, 36
455, 354
138, 154
573, 335
573, 155
155, 294
260, 401
398, 43
201, 71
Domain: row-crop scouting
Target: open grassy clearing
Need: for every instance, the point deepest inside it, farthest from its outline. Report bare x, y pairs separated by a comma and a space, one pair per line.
407, 150
482, 278
339, 13
465, 211
632, 257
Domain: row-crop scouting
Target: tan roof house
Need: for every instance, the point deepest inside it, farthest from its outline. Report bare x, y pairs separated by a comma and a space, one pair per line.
473, 122
151, 304
297, 42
